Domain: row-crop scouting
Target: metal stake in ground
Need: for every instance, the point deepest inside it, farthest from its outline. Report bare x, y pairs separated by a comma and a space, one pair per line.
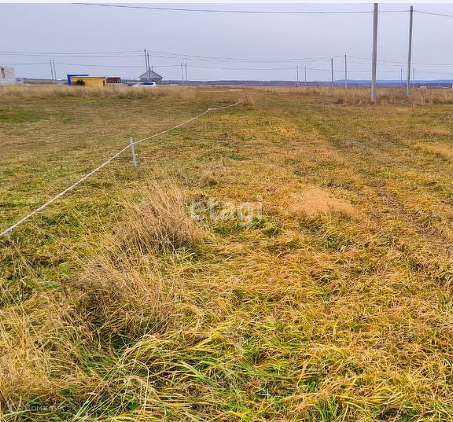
134, 158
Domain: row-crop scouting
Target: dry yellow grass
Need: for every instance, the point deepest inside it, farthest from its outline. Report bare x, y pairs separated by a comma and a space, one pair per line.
49, 91
115, 305
361, 95
441, 148
314, 201
160, 221
123, 292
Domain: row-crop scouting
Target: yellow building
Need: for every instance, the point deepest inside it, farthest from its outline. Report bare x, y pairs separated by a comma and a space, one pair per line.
95, 81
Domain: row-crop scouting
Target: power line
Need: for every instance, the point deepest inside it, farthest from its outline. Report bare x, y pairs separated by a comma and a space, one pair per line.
261, 12
214, 67
72, 53
113, 66
390, 62
241, 59
242, 68
444, 15
87, 55
160, 66
26, 64
399, 64
205, 58
281, 68
255, 12
168, 55
189, 65
381, 63
433, 65
162, 54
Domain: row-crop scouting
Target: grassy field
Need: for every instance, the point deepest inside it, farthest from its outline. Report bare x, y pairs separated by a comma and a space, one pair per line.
336, 305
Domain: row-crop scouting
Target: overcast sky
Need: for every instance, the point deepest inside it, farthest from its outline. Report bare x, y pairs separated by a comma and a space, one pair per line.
274, 44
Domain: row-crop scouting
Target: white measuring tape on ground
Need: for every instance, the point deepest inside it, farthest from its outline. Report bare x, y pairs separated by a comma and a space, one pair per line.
70, 188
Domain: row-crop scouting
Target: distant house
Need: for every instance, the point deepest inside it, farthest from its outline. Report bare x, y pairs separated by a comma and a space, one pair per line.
434, 85
7, 75
69, 76
151, 76
113, 80
95, 81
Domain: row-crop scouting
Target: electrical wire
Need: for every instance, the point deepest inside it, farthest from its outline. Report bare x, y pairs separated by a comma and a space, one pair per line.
75, 55
423, 12
241, 68
254, 12
417, 65
113, 66
56, 53
160, 54
240, 59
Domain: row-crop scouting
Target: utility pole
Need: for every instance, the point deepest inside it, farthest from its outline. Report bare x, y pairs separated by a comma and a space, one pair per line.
51, 71
305, 75
297, 75
54, 70
409, 55
374, 57
146, 60
345, 71
401, 76
331, 69
182, 74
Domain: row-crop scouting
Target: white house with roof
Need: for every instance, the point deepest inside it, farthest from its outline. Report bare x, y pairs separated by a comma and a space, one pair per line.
7, 75
151, 76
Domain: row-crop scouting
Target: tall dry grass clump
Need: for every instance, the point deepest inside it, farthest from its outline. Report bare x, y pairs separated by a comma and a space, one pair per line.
159, 221
123, 298
123, 293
